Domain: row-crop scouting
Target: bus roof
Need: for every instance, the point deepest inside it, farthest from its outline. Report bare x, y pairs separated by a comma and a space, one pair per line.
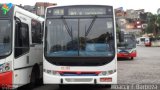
77, 5
27, 13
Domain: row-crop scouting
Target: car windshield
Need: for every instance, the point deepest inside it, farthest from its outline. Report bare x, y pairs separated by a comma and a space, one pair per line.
80, 37
5, 37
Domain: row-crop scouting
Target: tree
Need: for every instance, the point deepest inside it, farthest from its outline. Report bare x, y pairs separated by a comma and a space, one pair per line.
153, 24
117, 28
158, 25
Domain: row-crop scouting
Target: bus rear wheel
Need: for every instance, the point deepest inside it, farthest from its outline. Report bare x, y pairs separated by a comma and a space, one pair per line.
35, 79
32, 81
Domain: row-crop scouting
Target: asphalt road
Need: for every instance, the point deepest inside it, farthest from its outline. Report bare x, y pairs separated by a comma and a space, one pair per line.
145, 69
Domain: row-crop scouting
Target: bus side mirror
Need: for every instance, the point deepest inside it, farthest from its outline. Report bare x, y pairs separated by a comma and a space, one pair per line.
17, 19
121, 36
18, 22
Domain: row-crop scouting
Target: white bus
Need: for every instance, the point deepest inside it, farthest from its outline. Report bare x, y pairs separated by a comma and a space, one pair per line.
141, 41
20, 47
80, 45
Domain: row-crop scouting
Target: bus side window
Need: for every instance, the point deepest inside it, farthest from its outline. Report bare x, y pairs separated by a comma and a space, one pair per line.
36, 32
21, 39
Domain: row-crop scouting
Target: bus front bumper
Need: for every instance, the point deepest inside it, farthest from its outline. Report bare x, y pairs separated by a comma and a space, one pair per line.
6, 79
148, 44
125, 55
51, 79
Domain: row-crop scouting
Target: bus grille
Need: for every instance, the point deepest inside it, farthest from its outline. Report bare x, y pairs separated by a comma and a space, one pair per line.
78, 79
79, 74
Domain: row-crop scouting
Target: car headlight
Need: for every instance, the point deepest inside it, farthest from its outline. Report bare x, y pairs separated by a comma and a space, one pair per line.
5, 67
104, 73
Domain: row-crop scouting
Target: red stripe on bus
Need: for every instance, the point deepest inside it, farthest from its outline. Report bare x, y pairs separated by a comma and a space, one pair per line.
6, 79
79, 72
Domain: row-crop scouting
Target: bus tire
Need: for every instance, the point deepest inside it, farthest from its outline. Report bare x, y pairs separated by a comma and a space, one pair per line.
32, 81
35, 77
131, 58
106, 86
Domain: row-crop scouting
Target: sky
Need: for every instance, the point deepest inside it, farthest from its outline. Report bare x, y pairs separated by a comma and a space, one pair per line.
148, 5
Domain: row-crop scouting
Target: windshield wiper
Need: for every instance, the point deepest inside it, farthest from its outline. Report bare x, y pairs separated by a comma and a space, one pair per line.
90, 26
66, 26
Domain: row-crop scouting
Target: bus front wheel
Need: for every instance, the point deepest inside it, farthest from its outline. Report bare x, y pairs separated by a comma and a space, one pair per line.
106, 86
131, 58
62, 86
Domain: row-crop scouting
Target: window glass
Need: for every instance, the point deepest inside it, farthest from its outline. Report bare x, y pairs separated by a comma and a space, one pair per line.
80, 37
36, 32
5, 37
21, 39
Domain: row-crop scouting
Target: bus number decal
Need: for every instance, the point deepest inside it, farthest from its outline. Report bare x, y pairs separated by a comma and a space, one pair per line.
65, 68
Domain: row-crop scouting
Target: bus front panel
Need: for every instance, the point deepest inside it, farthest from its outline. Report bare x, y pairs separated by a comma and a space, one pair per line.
79, 45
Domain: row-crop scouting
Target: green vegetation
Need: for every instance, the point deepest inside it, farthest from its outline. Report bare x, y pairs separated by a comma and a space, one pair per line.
153, 24
117, 28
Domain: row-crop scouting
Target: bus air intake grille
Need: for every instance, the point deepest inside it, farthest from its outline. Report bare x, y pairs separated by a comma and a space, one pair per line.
79, 74
78, 79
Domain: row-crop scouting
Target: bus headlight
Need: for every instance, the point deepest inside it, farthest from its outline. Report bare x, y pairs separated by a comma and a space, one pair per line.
104, 73
134, 51
5, 67
51, 72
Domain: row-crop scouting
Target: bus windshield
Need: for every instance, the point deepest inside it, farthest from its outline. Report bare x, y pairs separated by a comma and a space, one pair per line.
130, 42
5, 37
84, 37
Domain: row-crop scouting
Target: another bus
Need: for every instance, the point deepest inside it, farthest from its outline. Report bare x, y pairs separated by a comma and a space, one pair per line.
20, 47
127, 49
148, 42
80, 45
140, 41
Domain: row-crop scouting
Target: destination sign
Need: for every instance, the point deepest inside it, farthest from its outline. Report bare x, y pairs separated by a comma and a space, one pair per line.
58, 12
86, 11
79, 10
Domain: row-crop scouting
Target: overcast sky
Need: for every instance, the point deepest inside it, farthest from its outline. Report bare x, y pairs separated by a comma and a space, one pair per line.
148, 5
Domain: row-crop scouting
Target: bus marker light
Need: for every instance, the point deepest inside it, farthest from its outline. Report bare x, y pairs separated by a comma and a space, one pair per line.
105, 79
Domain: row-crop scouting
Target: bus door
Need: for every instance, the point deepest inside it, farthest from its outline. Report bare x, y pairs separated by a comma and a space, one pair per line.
21, 49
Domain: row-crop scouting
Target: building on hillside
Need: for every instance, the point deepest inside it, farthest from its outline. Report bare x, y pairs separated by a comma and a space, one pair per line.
119, 12
134, 14
29, 8
40, 7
